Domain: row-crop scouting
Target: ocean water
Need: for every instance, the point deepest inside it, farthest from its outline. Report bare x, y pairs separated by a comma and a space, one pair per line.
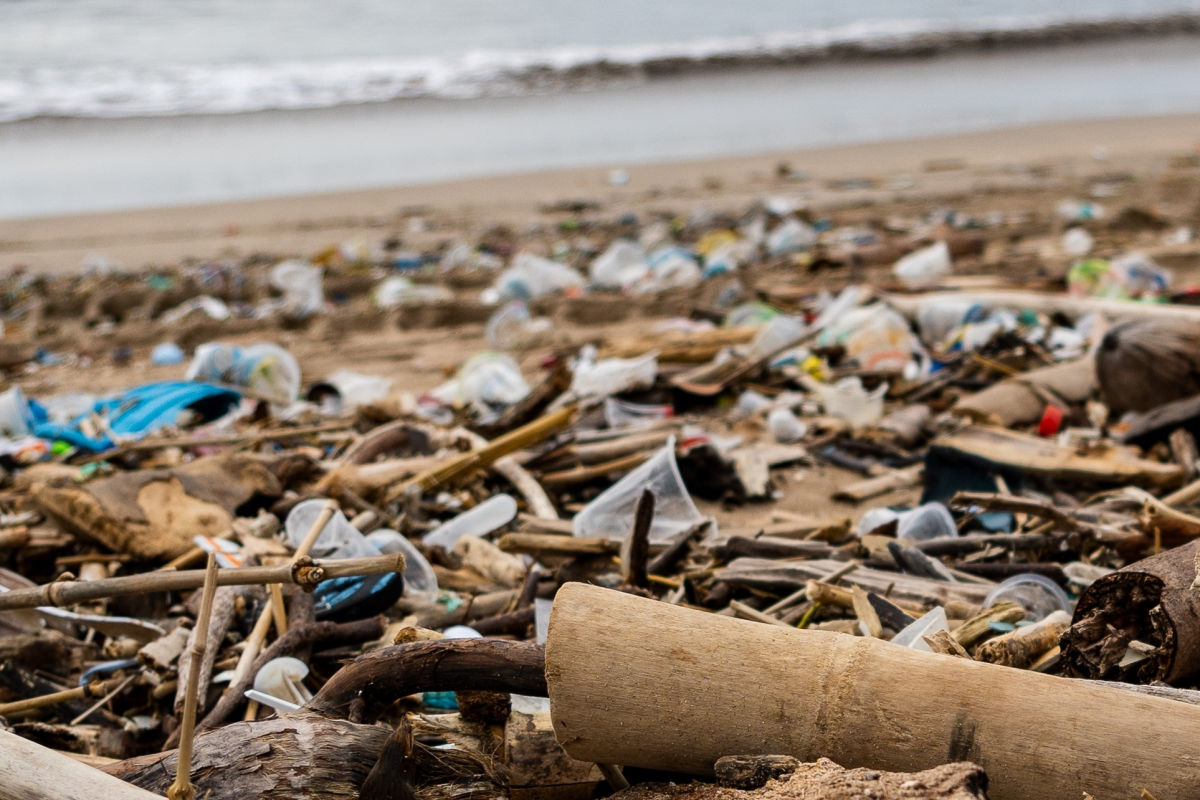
117, 58
109, 104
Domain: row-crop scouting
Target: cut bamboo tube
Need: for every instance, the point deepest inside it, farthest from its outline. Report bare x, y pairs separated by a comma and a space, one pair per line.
67, 593
624, 675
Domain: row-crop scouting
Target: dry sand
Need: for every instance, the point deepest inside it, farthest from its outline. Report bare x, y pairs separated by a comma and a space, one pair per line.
305, 224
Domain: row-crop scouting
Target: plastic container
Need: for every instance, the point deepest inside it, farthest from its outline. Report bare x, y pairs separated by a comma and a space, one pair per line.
267, 370
913, 635
784, 426
925, 266
493, 513
1037, 594
930, 521
610, 515
420, 581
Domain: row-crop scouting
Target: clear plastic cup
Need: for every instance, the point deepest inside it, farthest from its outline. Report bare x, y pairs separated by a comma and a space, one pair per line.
930, 521
420, 581
481, 520
1037, 594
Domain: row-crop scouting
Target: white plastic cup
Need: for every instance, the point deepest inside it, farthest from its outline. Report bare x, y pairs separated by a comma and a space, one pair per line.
338, 539
1037, 594
930, 521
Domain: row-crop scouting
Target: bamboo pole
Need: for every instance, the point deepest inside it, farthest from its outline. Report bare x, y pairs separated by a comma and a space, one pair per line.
624, 674
182, 788
305, 574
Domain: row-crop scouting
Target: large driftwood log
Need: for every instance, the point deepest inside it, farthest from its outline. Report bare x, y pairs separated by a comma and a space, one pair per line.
624, 674
300, 756
1144, 363
1149, 601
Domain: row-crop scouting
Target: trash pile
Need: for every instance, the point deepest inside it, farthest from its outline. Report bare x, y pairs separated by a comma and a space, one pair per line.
905, 518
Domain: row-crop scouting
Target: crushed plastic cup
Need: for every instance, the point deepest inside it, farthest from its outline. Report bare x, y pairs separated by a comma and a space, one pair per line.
300, 283
784, 426
913, 635
267, 370
925, 266
541, 619
1037, 594
338, 538
346, 389
420, 581
938, 319
491, 514
929, 521
621, 266
610, 515
671, 267
621, 413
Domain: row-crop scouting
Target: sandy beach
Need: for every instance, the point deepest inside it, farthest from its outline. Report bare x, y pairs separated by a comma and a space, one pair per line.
423, 215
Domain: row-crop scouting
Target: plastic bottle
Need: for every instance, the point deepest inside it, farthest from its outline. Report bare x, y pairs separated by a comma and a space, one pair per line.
493, 513
266, 369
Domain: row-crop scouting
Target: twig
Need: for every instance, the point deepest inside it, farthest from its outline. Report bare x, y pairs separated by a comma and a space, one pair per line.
122, 686
182, 788
303, 572
636, 547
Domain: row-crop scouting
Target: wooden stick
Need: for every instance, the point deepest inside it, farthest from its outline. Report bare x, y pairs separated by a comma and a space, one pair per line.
29, 771
182, 788
623, 672
278, 611
305, 575
635, 549
56, 698
467, 463
1022, 647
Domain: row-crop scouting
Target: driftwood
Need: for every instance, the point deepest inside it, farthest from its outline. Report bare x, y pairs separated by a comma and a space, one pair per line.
1149, 602
31, 772
154, 513
1035, 456
1022, 647
876, 485
1047, 303
623, 673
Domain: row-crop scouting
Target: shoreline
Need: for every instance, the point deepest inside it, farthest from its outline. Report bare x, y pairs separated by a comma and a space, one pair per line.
300, 224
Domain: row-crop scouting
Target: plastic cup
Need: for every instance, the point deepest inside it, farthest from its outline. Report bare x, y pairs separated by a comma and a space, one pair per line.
1037, 594
930, 521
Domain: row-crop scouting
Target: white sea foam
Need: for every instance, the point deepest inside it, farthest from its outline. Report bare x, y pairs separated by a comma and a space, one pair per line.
170, 89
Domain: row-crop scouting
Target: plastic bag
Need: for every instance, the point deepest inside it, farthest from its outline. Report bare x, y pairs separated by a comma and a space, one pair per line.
493, 379
848, 400
925, 266
883, 343
611, 514
301, 286
531, 276
613, 375
620, 266
267, 370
